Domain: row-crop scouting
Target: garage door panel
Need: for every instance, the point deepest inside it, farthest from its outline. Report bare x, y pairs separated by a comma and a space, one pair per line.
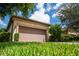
31, 30
32, 37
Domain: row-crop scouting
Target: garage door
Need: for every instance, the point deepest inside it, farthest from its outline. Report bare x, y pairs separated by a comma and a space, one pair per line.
31, 34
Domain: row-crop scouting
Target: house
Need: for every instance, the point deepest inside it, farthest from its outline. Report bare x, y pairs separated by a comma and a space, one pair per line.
29, 30
72, 31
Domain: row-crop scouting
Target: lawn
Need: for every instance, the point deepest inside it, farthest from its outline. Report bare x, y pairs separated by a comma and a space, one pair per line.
38, 49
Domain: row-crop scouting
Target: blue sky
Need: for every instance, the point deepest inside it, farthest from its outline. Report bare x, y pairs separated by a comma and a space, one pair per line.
43, 12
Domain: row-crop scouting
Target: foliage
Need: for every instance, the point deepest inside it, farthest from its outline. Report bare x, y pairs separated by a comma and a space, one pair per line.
70, 38
55, 31
4, 37
16, 36
38, 49
2, 30
69, 14
14, 8
66, 38
51, 38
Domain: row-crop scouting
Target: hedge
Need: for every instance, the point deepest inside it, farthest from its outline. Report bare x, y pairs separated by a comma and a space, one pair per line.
4, 37
64, 38
70, 38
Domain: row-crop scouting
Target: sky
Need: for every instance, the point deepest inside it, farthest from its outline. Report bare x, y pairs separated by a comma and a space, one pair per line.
43, 12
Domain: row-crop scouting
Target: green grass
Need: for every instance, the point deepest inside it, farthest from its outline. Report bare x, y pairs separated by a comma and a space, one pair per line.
38, 49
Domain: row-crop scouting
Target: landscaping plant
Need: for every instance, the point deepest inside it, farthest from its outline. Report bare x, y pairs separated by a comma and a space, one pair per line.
4, 37
55, 32
16, 36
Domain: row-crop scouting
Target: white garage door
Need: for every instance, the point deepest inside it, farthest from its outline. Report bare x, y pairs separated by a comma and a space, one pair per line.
31, 35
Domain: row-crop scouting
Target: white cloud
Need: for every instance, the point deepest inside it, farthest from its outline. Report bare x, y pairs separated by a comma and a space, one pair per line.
39, 5
48, 7
54, 15
57, 6
2, 23
40, 15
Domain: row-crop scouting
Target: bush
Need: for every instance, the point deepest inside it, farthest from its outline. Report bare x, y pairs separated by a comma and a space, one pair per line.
75, 38
66, 38
16, 36
3, 30
55, 31
51, 39
4, 37
69, 38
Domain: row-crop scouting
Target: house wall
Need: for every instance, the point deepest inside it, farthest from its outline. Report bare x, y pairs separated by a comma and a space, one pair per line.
10, 28
71, 31
26, 23
14, 30
31, 24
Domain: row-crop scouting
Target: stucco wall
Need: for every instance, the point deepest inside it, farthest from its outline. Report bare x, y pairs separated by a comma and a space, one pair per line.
71, 31
9, 30
31, 24
26, 23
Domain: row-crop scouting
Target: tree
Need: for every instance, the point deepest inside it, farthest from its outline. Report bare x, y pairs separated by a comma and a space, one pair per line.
14, 8
69, 14
55, 31
3, 30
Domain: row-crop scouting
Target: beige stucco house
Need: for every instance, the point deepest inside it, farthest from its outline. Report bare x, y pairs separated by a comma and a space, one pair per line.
29, 30
71, 31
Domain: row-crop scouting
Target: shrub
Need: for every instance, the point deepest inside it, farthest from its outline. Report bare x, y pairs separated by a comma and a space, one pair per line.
51, 39
3, 30
69, 38
55, 31
62, 38
16, 36
4, 36
75, 38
